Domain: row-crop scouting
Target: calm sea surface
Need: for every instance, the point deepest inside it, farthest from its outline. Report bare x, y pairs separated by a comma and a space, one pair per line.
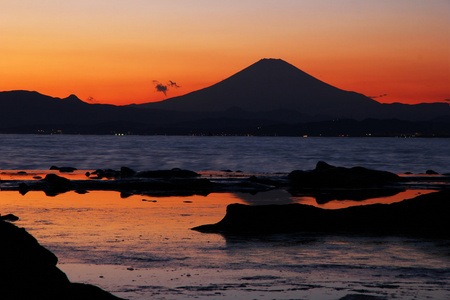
248, 154
141, 247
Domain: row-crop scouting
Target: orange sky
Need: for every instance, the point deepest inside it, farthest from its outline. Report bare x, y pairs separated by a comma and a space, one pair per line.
113, 50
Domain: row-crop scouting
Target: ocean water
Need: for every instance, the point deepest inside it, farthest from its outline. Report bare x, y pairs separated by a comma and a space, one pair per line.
142, 247
248, 154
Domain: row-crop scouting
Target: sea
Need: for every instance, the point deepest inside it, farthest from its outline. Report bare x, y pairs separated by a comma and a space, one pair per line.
142, 247
248, 154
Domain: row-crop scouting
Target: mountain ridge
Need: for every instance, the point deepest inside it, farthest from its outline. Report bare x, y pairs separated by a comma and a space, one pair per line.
268, 92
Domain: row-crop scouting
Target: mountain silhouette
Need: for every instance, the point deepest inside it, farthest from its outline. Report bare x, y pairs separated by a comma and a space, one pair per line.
270, 97
275, 87
272, 84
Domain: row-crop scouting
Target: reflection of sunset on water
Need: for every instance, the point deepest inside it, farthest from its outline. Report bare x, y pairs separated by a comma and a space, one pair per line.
139, 247
101, 221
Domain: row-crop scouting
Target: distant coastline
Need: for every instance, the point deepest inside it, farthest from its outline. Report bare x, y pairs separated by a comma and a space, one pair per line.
335, 128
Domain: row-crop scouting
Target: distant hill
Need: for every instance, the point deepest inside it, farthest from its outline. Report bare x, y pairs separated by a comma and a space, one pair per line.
270, 97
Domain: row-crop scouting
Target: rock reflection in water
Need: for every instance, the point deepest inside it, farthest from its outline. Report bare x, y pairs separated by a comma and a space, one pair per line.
141, 249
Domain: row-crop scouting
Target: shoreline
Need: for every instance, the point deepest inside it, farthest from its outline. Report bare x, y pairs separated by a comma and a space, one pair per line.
169, 278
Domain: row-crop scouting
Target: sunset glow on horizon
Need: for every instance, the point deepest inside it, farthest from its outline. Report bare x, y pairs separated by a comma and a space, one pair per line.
114, 51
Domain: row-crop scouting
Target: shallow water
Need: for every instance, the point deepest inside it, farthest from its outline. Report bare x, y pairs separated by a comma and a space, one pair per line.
249, 154
141, 247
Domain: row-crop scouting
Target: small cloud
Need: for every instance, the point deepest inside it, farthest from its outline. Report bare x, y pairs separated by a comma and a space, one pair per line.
163, 88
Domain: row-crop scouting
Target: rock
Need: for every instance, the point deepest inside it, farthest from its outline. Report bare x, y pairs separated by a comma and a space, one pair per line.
67, 169
23, 188
55, 179
425, 215
431, 172
327, 176
107, 173
126, 172
9, 217
54, 184
29, 270
321, 165
63, 169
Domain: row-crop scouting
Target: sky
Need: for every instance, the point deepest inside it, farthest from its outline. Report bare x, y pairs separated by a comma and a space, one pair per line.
117, 51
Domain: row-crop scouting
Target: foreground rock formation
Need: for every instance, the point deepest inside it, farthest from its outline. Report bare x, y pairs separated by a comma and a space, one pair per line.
425, 216
28, 271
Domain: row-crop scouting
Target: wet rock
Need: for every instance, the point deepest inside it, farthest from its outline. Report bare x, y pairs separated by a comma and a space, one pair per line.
107, 173
174, 173
9, 217
30, 272
126, 172
67, 169
425, 215
63, 169
53, 185
23, 188
55, 179
327, 176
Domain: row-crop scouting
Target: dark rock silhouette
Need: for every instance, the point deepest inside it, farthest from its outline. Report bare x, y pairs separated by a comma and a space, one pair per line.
29, 270
425, 215
327, 176
53, 184
63, 169
126, 172
9, 217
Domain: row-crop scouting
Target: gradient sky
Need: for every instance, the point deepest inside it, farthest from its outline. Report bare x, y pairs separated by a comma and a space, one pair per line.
113, 50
